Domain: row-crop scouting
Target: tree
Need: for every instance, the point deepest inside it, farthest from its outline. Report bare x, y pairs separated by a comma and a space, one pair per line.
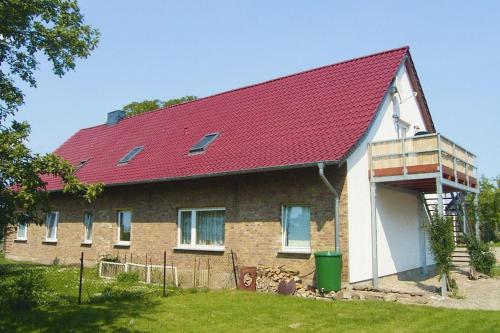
488, 208
136, 108
28, 29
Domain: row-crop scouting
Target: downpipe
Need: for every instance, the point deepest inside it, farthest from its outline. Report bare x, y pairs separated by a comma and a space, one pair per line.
321, 168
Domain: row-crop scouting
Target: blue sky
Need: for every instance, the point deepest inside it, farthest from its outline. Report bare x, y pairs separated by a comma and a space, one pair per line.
167, 49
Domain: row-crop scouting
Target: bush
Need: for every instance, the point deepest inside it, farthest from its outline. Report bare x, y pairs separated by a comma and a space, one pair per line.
128, 277
110, 258
126, 291
442, 244
27, 291
482, 257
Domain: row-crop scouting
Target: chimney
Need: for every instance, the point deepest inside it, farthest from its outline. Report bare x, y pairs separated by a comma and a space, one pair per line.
114, 117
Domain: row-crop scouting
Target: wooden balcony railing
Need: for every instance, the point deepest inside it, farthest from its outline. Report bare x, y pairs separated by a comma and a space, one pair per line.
430, 153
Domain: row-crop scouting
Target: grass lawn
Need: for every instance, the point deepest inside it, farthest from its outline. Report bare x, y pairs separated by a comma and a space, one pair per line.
229, 311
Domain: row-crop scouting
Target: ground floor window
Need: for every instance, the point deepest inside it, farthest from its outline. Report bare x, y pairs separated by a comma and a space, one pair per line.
296, 228
124, 226
87, 224
201, 228
22, 231
51, 226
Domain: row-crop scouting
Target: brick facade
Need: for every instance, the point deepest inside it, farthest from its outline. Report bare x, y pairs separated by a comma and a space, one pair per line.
252, 223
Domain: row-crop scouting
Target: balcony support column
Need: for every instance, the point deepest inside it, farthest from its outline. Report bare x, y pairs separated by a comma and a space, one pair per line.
373, 201
476, 216
439, 213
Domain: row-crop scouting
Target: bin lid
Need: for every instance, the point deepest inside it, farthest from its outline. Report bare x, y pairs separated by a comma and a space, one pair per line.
328, 254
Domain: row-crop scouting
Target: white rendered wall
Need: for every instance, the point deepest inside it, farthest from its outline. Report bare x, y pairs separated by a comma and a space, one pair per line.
399, 234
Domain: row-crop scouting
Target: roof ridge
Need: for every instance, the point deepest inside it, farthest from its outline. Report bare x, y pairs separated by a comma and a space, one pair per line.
406, 47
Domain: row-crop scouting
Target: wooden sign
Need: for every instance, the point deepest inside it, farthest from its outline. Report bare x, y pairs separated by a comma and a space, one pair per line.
248, 278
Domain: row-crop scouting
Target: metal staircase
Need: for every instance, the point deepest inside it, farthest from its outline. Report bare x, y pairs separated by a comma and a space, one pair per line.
453, 208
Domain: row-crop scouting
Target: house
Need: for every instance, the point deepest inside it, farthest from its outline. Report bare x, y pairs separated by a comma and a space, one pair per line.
336, 157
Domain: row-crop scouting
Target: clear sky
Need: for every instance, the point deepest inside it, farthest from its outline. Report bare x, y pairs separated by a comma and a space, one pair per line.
167, 49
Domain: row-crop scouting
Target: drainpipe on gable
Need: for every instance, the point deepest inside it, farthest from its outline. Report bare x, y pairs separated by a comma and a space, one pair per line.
321, 167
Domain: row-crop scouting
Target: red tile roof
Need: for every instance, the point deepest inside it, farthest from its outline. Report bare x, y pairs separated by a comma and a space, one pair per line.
312, 116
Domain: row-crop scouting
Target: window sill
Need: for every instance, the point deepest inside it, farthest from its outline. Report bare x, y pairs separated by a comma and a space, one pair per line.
21, 240
295, 251
216, 248
50, 241
122, 244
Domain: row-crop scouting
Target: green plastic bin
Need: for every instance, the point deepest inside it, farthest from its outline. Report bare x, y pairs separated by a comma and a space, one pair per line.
328, 270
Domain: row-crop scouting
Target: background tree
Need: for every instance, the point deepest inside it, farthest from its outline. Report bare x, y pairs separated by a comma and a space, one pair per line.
488, 208
136, 108
28, 29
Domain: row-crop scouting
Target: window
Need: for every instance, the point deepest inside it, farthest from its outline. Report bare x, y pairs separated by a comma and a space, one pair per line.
203, 143
22, 231
51, 226
81, 164
296, 229
124, 226
87, 224
130, 155
201, 229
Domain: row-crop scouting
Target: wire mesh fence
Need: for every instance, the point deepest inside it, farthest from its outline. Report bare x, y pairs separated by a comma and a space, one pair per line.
158, 272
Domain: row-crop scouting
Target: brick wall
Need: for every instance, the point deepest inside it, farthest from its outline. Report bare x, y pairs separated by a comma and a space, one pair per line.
252, 225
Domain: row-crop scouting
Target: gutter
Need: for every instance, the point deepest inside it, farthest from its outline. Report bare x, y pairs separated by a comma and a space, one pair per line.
321, 169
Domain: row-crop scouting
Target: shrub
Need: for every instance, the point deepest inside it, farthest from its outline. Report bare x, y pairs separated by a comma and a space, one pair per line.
120, 291
127, 277
27, 291
110, 258
440, 232
482, 257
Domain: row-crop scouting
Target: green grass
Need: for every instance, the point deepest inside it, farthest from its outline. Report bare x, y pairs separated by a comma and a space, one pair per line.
230, 311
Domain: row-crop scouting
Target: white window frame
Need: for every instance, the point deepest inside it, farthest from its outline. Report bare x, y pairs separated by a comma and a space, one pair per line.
290, 249
118, 241
193, 246
85, 231
25, 234
47, 239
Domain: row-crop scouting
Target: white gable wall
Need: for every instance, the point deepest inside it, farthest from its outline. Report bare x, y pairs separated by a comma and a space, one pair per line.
397, 210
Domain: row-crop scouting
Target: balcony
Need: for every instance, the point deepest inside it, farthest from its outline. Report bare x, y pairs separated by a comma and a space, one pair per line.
421, 162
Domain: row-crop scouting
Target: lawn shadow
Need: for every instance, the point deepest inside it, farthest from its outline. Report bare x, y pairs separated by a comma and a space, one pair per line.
103, 316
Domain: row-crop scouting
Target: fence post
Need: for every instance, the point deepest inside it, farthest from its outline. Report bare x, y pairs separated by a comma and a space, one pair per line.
164, 273
234, 269
81, 278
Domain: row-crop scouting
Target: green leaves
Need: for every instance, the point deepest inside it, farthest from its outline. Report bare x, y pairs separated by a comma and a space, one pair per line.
136, 108
440, 232
23, 198
54, 28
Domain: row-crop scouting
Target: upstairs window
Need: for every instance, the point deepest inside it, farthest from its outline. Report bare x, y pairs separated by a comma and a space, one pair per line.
124, 227
203, 144
296, 229
51, 226
22, 231
88, 221
130, 155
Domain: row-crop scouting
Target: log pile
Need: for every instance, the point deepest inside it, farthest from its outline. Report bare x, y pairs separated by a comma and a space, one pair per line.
268, 279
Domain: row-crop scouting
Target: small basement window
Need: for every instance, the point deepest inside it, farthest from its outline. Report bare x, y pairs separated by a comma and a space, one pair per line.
204, 143
130, 155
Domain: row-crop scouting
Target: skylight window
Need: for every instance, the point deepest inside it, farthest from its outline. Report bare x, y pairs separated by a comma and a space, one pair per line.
130, 155
204, 143
81, 164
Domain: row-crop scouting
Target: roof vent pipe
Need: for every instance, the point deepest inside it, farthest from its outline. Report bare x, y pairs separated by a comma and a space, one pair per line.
114, 117
321, 167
